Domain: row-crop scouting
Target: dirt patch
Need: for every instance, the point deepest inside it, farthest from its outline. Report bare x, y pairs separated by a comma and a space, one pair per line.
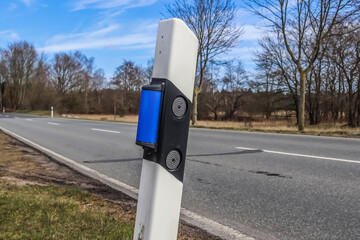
22, 165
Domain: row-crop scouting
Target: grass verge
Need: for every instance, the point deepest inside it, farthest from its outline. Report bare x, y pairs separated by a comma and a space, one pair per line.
41, 199
33, 207
52, 212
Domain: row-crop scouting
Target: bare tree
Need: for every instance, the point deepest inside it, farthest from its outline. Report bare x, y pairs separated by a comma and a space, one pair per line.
65, 72
86, 78
149, 70
3, 74
98, 83
127, 79
214, 101
274, 54
346, 57
268, 85
210, 99
40, 93
20, 65
213, 22
232, 88
304, 26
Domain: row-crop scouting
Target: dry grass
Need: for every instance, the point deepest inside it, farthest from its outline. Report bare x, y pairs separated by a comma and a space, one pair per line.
283, 126
273, 126
103, 117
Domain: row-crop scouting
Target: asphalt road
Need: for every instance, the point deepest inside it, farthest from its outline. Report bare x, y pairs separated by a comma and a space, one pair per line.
270, 186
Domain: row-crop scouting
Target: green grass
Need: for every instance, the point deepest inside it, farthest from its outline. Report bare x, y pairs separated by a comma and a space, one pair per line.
50, 212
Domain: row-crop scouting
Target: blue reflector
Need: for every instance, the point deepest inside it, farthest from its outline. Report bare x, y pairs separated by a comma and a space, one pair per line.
148, 116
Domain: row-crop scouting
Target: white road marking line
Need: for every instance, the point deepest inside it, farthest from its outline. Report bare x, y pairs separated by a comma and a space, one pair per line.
212, 227
6, 115
104, 130
52, 123
303, 155
188, 216
244, 148
28, 119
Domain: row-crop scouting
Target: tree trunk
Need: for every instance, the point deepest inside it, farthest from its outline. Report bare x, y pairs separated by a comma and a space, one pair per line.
86, 106
357, 103
195, 105
115, 109
310, 104
351, 115
2, 86
301, 120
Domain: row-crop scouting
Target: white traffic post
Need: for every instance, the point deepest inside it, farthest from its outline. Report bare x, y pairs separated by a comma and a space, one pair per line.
163, 131
3, 109
52, 112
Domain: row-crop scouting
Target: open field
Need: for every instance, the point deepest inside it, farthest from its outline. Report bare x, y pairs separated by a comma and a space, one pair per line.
35, 112
97, 117
282, 126
40, 199
271, 126
104, 117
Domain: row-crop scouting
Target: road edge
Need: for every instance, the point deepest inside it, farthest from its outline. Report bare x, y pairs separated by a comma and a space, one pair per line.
187, 216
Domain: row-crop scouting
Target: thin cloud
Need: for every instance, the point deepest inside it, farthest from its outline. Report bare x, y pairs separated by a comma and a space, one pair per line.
104, 38
244, 54
85, 35
9, 35
12, 7
27, 2
110, 4
252, 32
131, 41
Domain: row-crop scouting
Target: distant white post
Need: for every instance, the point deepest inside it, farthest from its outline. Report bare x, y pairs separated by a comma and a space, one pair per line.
52, 112
3, 109
163, 131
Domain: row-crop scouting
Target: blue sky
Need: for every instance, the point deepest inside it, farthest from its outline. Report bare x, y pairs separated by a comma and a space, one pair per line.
108, 30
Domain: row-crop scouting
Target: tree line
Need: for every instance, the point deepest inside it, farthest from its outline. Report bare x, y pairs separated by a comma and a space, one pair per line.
69, 81
306, 39
307, 67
